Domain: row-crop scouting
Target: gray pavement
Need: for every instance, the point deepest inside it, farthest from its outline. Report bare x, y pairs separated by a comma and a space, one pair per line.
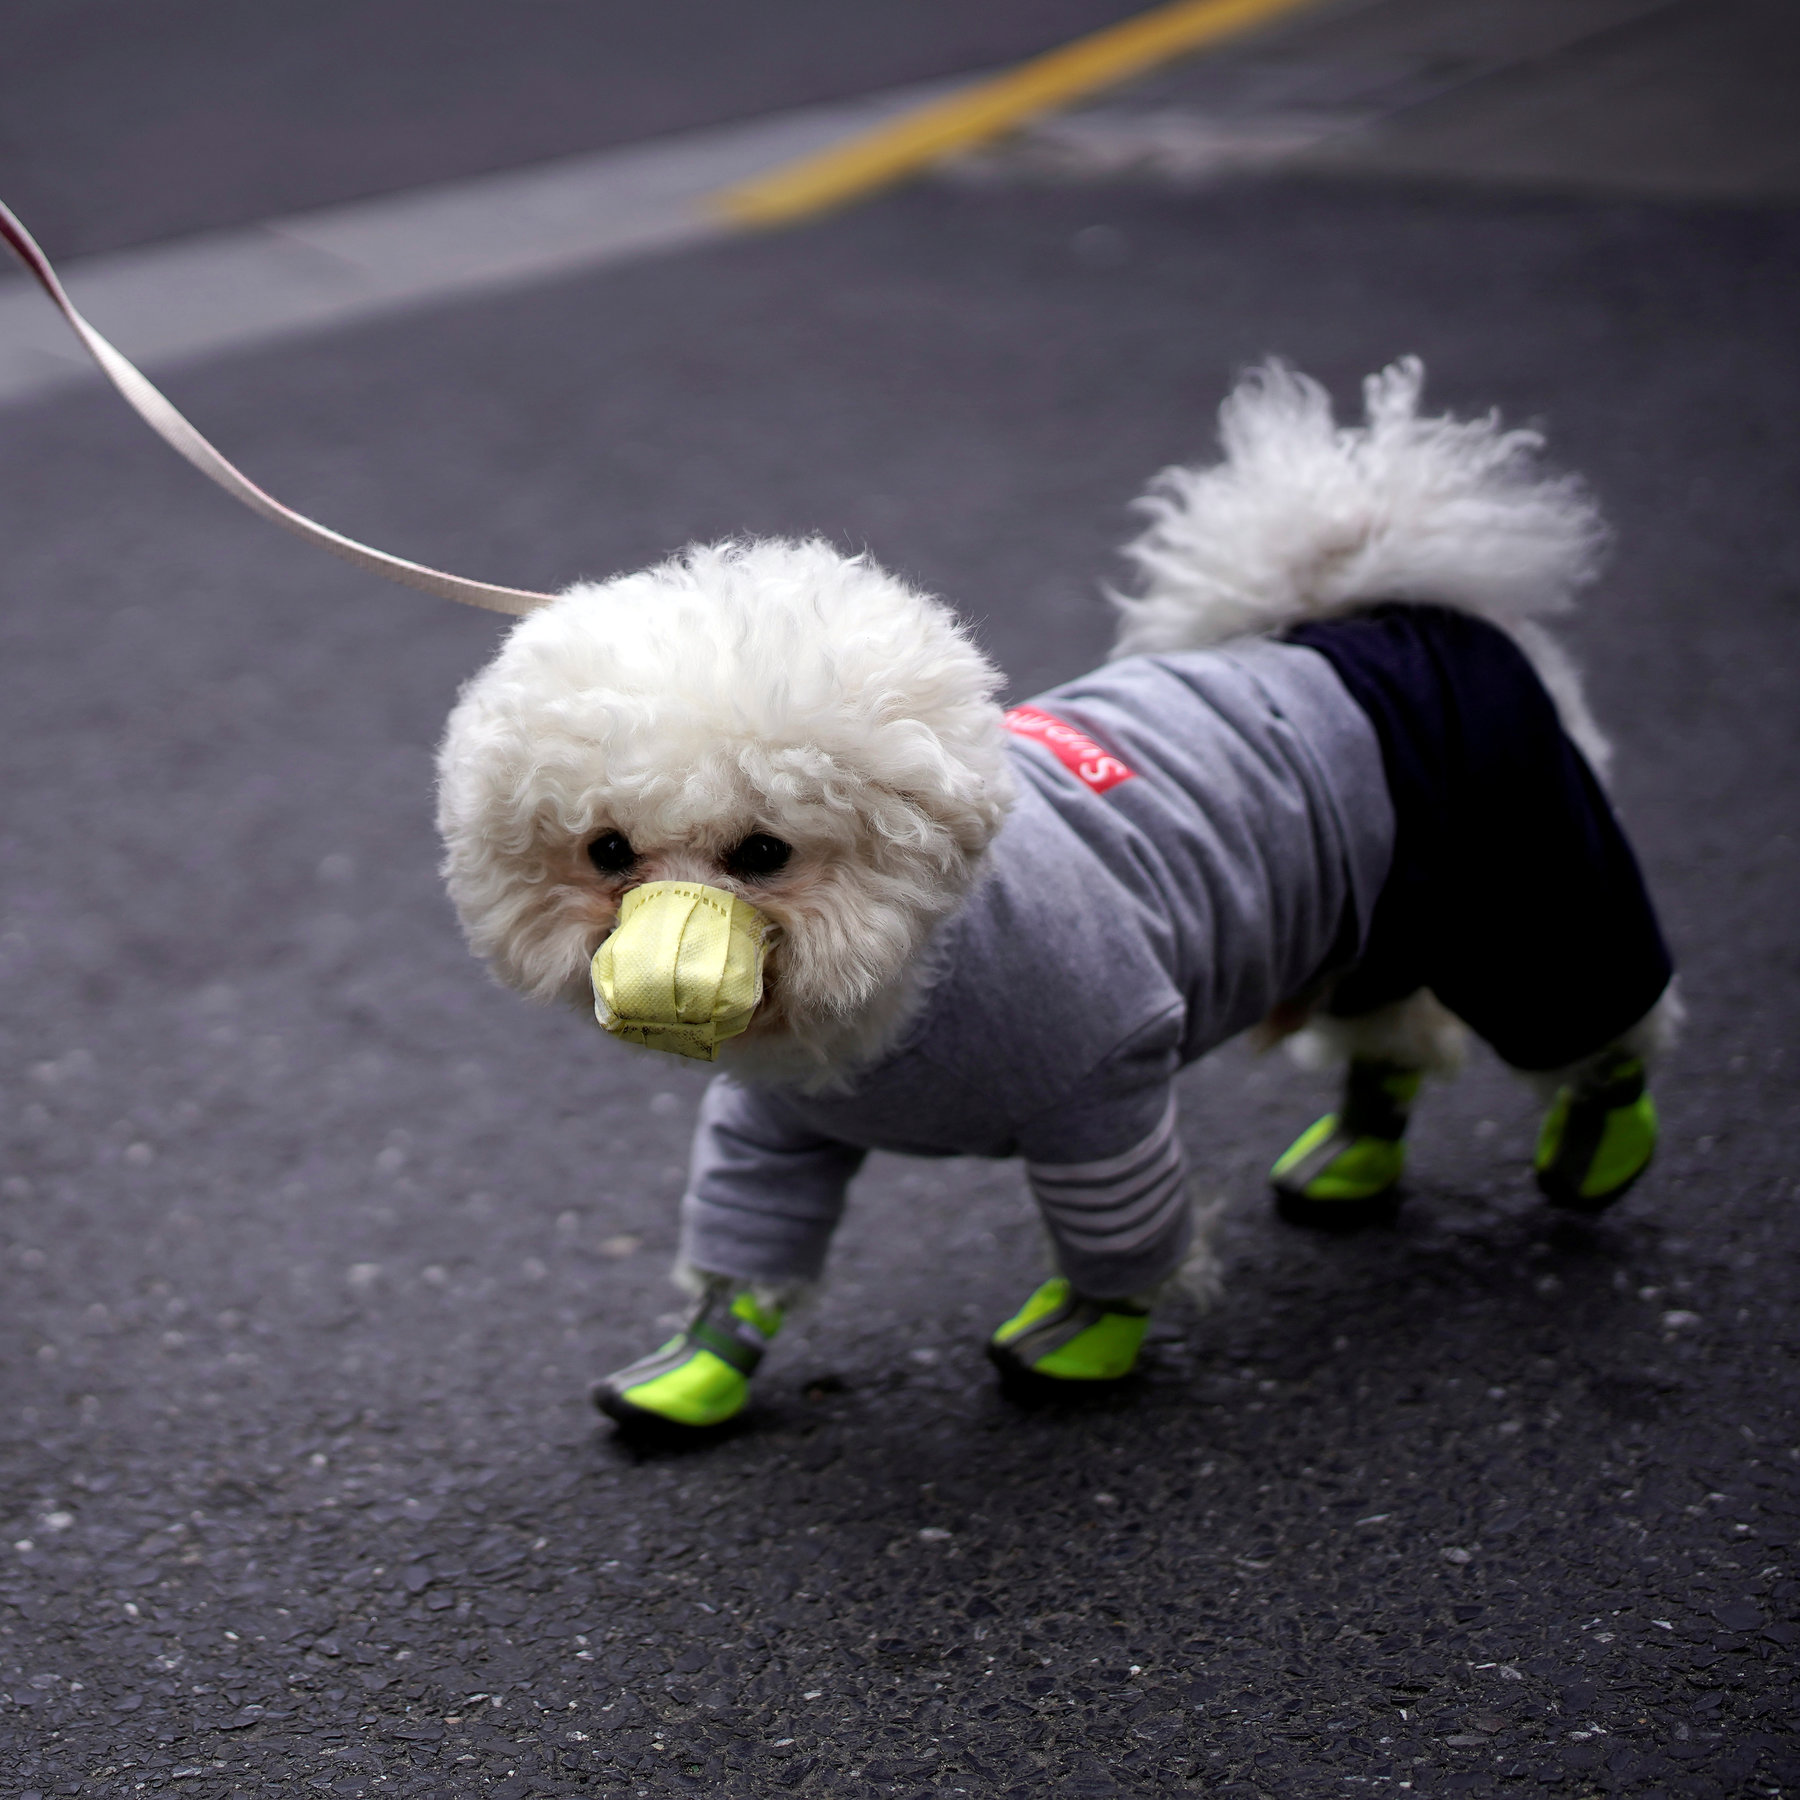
311, 1236
1669, 97
1695, 98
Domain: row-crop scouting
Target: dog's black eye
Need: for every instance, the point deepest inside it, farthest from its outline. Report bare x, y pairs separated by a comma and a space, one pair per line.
758, 854
612, 854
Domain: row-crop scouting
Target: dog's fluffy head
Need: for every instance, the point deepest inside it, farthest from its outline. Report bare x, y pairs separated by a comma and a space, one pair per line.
770, 689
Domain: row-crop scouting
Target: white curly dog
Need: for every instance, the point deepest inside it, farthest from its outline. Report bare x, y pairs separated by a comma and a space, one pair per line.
759, 805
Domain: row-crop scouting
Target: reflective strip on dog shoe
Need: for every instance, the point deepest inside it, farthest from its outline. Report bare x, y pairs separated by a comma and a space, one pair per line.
1064, 1336
683, 1384
1330, 1165
728, 1346
700, 1377
648, 1368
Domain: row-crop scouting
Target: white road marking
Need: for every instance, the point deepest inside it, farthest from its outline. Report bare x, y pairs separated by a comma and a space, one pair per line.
316, 271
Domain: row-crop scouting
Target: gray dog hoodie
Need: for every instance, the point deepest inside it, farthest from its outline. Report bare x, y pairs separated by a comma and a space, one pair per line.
1196, 838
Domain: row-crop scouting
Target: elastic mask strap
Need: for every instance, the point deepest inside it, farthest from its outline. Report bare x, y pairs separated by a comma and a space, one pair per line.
175, 431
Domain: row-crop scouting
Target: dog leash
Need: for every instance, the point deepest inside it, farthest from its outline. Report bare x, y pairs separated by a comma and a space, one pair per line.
155, 410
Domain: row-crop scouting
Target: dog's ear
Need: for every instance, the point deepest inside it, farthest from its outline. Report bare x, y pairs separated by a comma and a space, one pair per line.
964, 811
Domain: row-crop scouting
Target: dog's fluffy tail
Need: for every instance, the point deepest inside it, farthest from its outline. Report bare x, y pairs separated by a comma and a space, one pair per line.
1304, 518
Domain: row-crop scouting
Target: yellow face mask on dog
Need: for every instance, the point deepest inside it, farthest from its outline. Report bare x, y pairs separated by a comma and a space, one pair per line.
682, 970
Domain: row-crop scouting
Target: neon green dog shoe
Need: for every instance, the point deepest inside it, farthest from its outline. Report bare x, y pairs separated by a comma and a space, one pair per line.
1342, 1170
701, 1376
1598, 1136
1060, 1335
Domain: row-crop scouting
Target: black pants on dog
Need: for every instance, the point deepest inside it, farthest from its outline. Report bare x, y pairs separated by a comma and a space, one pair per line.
1513, 894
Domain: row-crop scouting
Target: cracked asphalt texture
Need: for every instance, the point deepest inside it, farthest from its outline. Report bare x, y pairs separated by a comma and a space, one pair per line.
312, 1236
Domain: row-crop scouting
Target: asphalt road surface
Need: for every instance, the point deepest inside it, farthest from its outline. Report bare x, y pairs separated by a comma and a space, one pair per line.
125, 124
312, 1236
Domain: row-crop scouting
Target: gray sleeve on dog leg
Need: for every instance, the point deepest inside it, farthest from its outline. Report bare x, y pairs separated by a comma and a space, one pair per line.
764, 1192
1121, 1223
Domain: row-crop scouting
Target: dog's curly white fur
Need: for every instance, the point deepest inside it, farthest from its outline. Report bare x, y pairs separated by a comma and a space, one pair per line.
738, 688
1305, 518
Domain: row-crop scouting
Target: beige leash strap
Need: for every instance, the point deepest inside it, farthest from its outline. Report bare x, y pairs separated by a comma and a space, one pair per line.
175, 431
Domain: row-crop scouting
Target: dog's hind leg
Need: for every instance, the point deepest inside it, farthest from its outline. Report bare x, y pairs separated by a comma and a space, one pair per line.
1345, 1168
1601, 1128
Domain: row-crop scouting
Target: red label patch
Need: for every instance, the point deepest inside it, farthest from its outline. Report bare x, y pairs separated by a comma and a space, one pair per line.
1075, 750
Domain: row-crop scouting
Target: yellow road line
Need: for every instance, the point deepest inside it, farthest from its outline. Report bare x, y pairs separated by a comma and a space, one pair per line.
893, 151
